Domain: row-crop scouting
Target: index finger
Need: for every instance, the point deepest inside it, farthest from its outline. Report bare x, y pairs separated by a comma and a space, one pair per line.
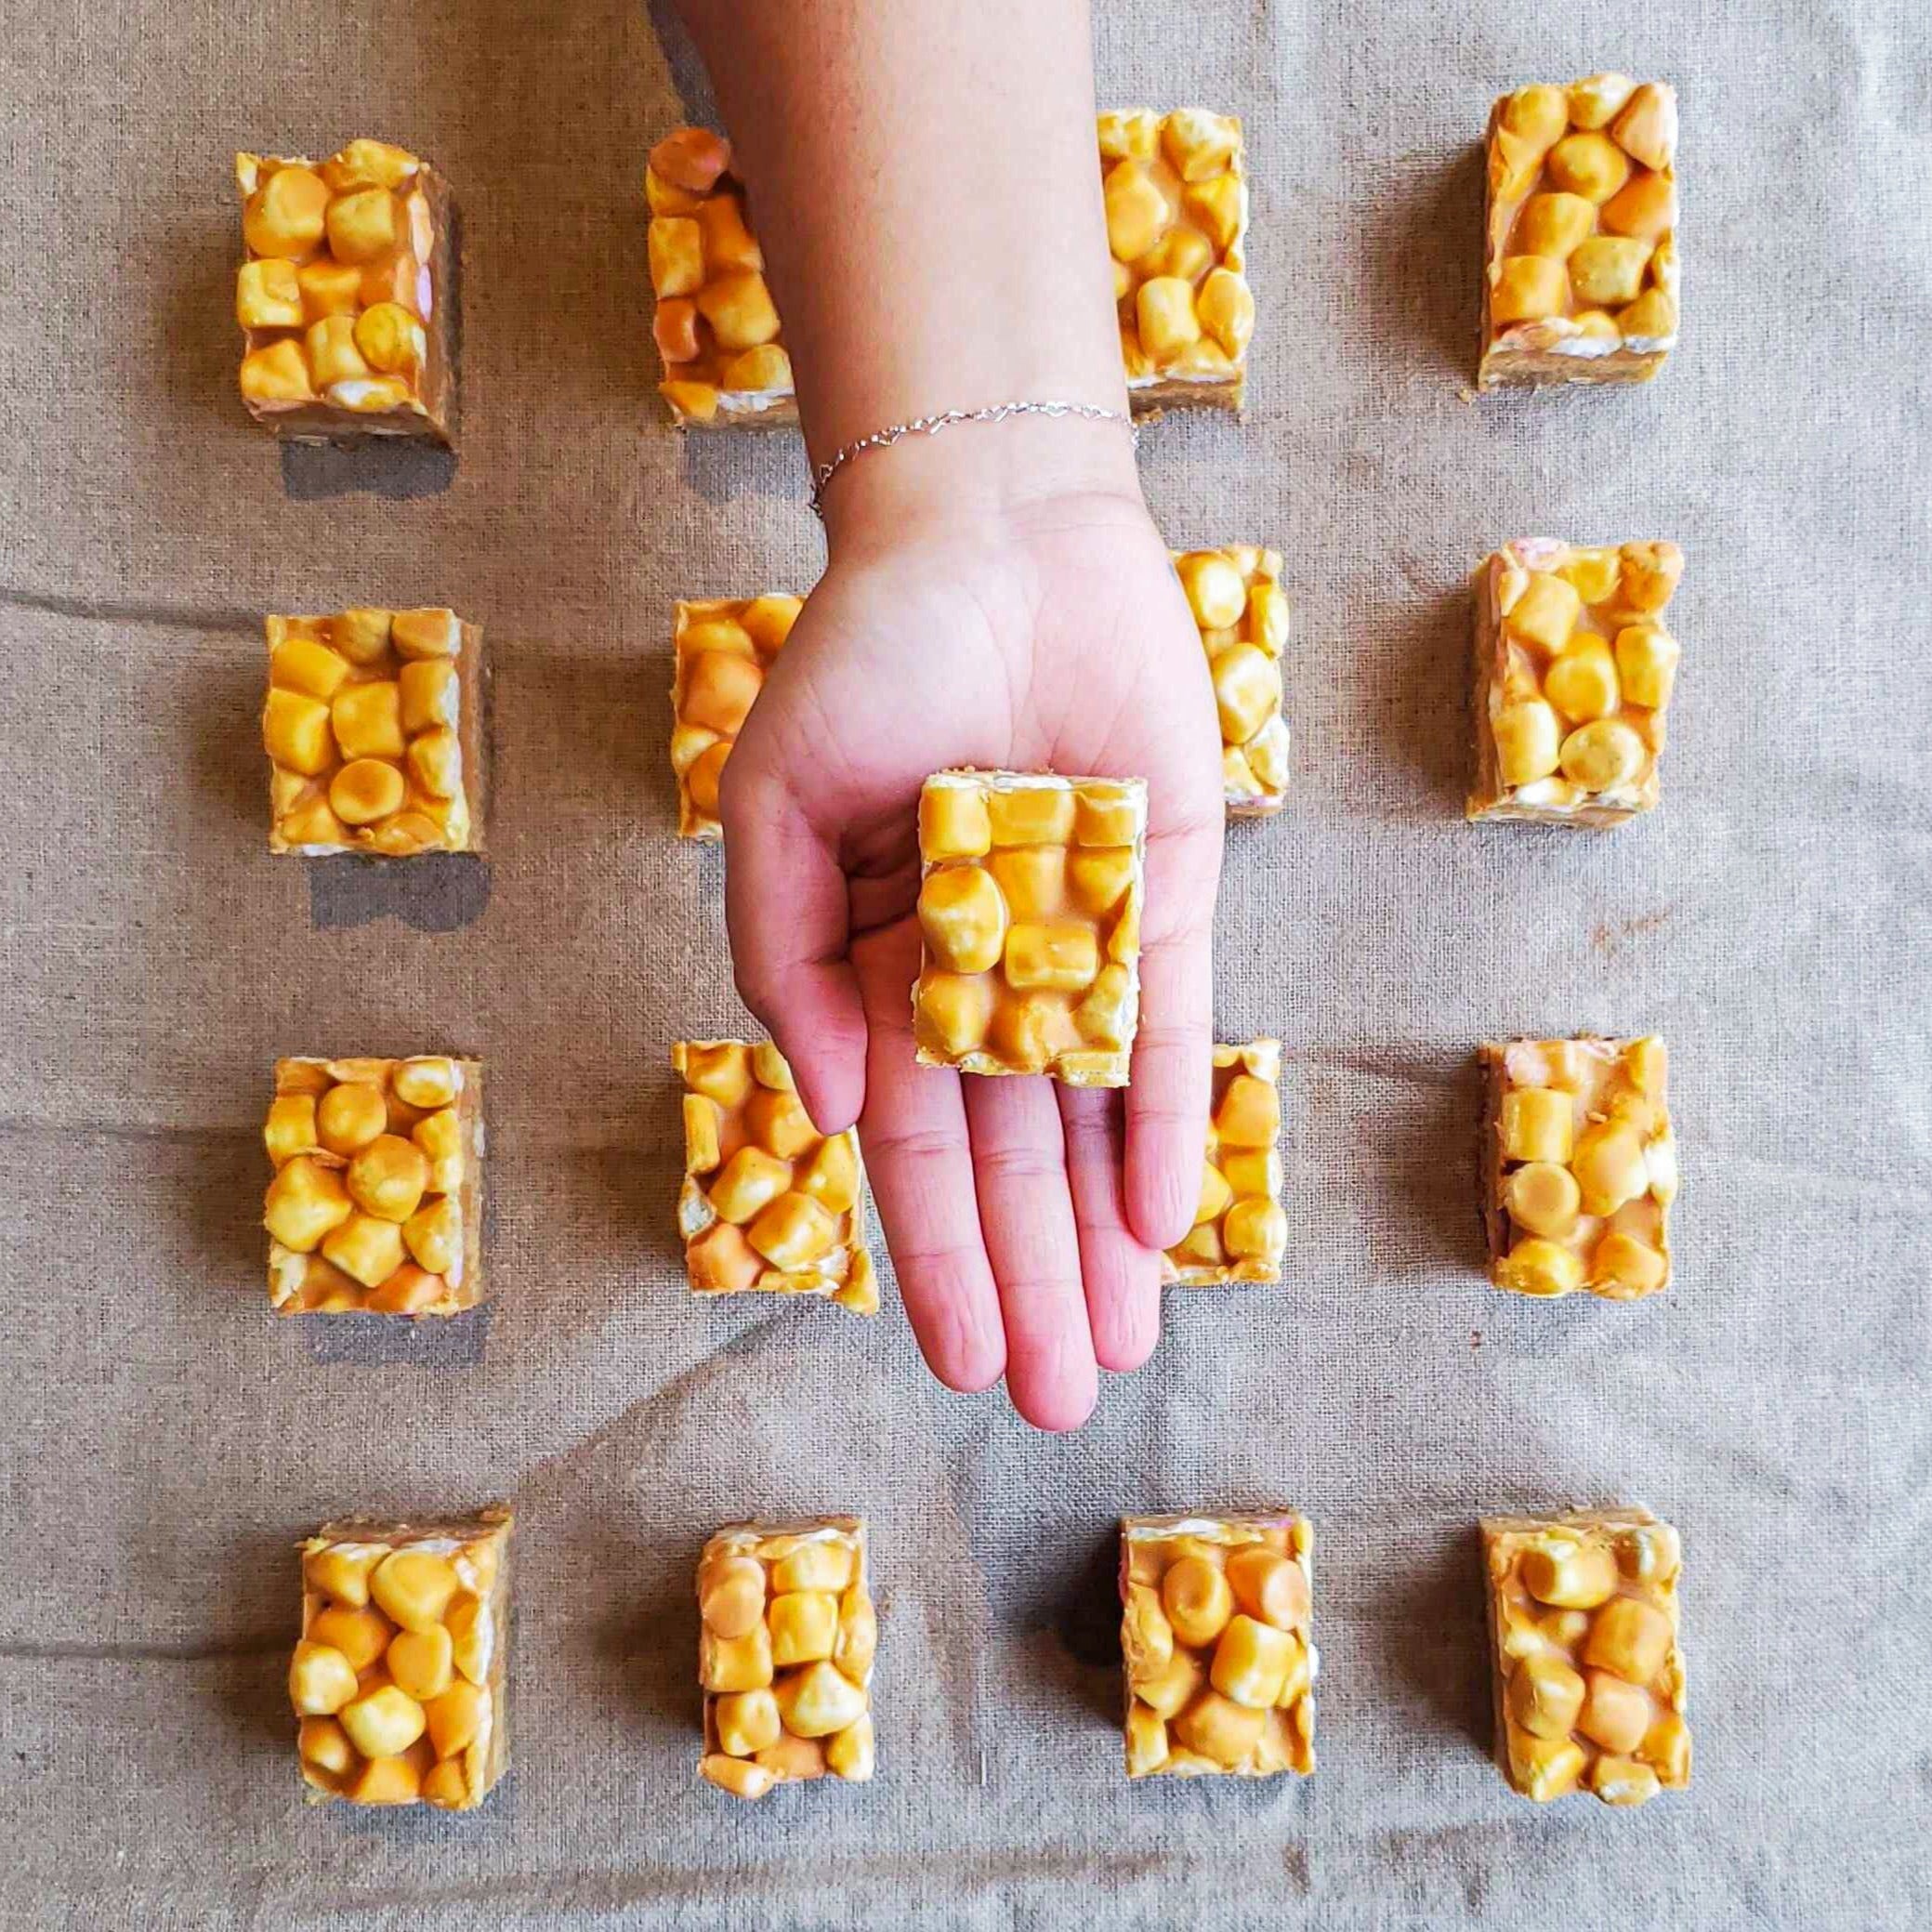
919, 1160
1172, 1049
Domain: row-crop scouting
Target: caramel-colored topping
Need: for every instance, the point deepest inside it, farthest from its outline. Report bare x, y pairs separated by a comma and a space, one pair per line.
1239, 1232
1574, 672
1029, 907
1580, 1166
1589, 1681
1581, 276
768, 1203
724, 647
1216, 1636
1239, 606
373, 729
397, 1680
341, 297
376, 1203
786, 1638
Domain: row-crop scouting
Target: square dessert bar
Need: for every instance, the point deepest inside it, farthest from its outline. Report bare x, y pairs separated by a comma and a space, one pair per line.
1579, 1166
344, 297
398, 1677
723, 646
1241, 612
1176, 188
1573, 671
717, 329
373, 725
1589, 1681
1029, 907
785, 1648
1580, 279
1216, 1631
1177, 203
768, 1203
377, 1200
1239, 1232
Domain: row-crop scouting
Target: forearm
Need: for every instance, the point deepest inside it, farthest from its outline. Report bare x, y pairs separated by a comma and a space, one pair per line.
923, 179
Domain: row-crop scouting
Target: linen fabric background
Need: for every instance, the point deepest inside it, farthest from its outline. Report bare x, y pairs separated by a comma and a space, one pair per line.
166, 1441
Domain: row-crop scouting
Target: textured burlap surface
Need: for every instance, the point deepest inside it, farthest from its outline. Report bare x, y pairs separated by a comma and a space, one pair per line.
165, 1440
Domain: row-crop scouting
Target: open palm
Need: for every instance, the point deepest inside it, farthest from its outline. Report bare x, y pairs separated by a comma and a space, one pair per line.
1024, 1217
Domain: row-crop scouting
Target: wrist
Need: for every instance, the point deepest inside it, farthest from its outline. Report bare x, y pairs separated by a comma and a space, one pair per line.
980, 470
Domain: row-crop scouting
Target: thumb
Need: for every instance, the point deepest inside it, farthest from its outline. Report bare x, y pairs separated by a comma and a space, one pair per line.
785, 909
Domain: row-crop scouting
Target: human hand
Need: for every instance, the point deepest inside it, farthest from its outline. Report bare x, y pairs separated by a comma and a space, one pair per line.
1025, 1219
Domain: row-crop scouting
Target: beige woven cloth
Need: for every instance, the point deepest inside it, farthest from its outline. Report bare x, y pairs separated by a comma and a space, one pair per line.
166, 1442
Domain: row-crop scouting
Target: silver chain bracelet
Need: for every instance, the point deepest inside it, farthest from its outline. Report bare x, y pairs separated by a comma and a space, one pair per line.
822, 473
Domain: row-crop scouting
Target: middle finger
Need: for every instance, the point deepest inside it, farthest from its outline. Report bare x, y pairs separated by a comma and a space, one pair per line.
1026, 1214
